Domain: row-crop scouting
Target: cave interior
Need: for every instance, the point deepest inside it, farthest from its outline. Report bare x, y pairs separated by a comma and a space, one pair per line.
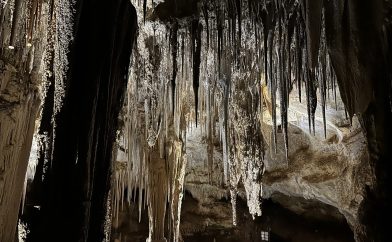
195, 120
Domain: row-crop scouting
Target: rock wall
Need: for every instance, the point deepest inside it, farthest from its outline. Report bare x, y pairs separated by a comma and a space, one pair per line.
23, 39
19, 103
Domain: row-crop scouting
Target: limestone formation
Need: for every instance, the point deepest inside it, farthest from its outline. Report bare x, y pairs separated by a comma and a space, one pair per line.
136, 102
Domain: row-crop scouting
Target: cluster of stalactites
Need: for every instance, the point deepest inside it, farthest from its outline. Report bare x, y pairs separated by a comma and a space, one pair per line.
209, 70
290, 49
154, 132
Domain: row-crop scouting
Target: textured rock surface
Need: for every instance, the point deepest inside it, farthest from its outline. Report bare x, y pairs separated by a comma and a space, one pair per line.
19, 103
22, 71
331, 171
333, 175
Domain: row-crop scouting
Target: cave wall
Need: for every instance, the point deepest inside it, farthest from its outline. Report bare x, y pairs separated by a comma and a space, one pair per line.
18, 112
22, 54
359, 42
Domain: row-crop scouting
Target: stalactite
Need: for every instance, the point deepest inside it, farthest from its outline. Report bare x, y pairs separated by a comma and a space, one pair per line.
312, 99
239, 11
284, 89
219, 27
322, 80
144, 10
182, 54
210, 141
333, 77
174, 45
206, 20
313, 11
15, 20
64, 36
298, 61
35, 16
3, 7
272, 88
224, 125
196, 49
